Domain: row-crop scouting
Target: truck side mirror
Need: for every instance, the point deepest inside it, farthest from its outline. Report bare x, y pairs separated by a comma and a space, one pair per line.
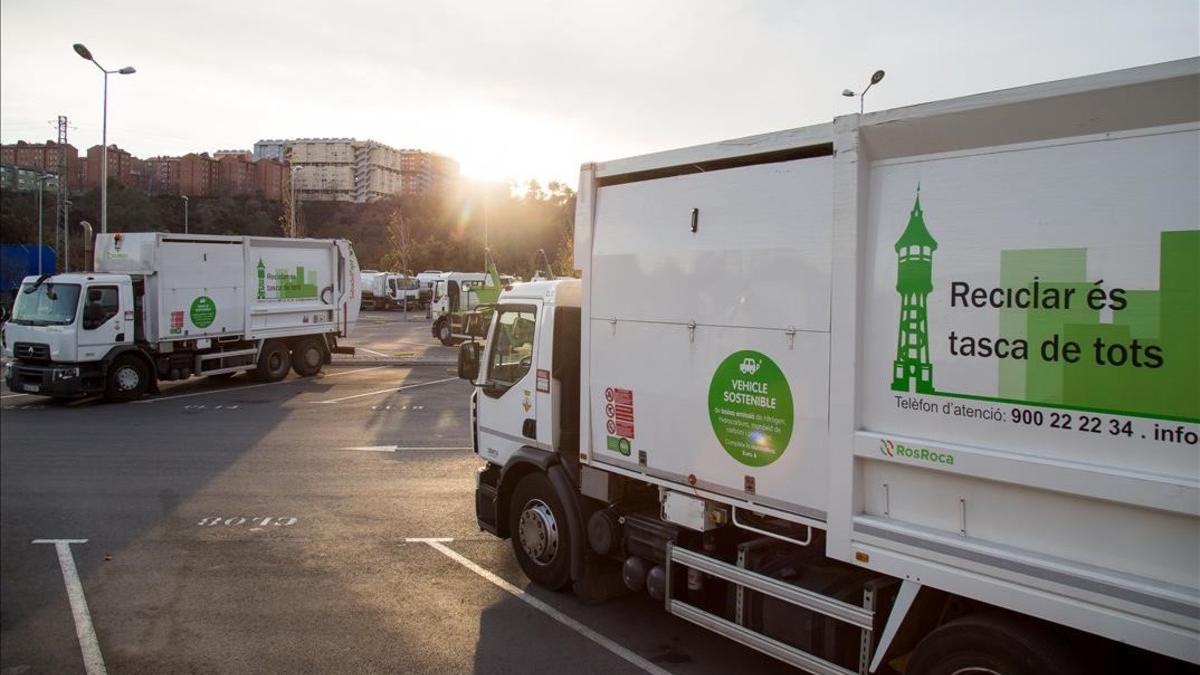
468, 361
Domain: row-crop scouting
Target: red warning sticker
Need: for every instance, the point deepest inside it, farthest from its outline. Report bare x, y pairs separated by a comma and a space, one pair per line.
543, 380
619, 411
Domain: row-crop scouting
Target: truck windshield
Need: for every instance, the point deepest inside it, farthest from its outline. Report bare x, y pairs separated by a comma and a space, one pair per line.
408, 284
50, 304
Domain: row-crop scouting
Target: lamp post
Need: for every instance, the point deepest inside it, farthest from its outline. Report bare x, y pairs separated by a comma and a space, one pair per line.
875, 78
185, 214
41, 189
67, 238
127, 70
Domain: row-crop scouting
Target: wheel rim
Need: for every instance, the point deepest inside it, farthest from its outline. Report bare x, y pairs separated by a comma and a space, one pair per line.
128, 378
976, 670
274, 361
444, 332
312, 357
537, 531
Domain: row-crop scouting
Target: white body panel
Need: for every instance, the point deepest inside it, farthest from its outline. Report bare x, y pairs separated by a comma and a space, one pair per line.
253, 287
796, 261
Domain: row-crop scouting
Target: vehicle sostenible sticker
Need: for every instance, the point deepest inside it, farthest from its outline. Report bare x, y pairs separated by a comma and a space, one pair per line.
750, 407
203, 311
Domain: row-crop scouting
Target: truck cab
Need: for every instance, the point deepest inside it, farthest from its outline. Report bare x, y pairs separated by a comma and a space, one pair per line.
527, 375
457, 299
64, 328
525, 422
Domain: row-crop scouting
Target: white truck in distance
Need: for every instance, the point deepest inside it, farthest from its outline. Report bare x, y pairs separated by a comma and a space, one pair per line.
167, 307
915, 391
390, 290
456, 299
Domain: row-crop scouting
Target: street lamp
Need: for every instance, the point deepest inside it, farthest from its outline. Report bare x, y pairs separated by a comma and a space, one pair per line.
185, 214
41, 189
127, 70
67, 237
875, 78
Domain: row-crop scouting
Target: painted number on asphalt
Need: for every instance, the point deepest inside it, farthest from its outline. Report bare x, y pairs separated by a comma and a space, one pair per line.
255, 521
201, 406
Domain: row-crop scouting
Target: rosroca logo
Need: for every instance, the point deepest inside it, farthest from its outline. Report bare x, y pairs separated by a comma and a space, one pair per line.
890, 449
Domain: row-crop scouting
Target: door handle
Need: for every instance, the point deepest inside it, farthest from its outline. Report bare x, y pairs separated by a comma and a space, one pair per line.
529, 429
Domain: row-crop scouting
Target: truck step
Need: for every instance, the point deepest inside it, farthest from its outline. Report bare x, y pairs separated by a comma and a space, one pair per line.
859, 617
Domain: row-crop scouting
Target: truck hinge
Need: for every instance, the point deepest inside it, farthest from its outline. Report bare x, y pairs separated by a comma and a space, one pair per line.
791, 333
691, 331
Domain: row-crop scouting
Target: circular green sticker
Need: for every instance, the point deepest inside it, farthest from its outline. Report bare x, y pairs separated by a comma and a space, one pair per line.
750, 407
203, 311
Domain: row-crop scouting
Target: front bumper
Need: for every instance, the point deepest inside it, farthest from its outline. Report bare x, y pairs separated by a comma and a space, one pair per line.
48, 379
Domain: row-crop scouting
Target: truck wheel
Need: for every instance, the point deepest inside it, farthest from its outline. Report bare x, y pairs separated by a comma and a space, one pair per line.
127, 380
444, 334
274, 362
308, 357
540, 535
993, 643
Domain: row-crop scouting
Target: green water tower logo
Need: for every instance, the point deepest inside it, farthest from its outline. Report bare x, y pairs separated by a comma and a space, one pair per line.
912, 369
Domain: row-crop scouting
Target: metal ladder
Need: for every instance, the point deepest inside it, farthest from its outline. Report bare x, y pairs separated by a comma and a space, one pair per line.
861, 617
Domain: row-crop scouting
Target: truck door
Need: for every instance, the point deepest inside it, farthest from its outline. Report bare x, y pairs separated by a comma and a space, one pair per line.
507, 413
106, 319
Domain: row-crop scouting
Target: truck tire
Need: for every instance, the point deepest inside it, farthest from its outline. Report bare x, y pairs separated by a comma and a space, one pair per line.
444, 334
274, 362
541, 537
308, 356
994, 642
127, 379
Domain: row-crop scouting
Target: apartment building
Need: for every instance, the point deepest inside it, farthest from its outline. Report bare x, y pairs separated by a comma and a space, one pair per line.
199, 175
347, 169
45, 157
120, 166
163, 175
236, 173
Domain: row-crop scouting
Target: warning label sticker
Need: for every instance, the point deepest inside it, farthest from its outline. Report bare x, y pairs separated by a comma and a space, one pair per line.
618, 411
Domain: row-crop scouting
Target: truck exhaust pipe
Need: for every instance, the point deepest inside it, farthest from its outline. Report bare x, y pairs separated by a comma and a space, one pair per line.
88, 238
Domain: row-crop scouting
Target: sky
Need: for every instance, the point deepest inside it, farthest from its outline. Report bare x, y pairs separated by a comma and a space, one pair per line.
530, 88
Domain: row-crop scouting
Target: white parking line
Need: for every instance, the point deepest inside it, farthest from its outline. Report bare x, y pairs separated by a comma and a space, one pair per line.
93, 661
254, 386
13, 395
397, 448
387, 391
371, 351
439, 544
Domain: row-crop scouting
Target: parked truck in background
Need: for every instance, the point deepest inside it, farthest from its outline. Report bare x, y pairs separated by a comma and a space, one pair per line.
390, 290
168, 307
406, 292
18, 261
462, 301
374, 289
914, 391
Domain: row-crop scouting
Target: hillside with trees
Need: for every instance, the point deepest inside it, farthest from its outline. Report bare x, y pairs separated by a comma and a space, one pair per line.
443, 231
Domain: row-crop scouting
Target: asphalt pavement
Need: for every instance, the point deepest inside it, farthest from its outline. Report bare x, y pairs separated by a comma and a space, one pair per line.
321, 525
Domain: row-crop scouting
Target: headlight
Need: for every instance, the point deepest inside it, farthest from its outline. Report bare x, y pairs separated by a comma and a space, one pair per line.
66, 373
7, 370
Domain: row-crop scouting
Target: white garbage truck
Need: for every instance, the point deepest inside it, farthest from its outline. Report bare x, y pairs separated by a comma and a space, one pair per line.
167, 307
916, 391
